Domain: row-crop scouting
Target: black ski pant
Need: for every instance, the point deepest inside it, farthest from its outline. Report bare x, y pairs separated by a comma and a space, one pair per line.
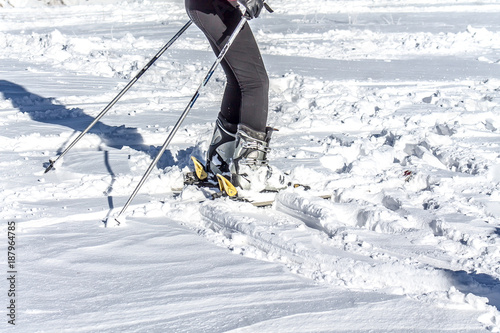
245, 98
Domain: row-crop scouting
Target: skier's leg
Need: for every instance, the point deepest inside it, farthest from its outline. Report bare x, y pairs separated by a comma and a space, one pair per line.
245, 99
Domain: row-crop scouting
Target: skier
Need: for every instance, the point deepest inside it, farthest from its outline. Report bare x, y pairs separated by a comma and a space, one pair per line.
240, 140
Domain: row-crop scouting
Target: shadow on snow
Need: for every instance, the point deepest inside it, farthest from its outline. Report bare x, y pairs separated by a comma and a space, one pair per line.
48, 110
479, 284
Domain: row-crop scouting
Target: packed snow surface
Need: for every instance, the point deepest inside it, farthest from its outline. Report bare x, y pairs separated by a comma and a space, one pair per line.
389, 108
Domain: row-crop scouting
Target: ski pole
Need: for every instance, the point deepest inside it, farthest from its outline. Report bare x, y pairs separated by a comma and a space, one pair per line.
122, 92
184, 114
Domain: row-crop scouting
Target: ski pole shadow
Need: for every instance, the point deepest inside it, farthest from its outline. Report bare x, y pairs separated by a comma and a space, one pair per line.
183, 158
48, 110
108, 191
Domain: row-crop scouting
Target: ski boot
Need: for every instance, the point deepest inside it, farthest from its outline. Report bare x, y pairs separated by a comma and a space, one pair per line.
249, 168
221, 149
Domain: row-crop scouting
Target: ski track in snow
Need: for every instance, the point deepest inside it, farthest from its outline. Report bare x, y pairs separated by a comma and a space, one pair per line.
390, 107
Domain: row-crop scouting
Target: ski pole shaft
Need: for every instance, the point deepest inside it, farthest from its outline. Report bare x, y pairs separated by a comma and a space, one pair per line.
122, 92
183, 115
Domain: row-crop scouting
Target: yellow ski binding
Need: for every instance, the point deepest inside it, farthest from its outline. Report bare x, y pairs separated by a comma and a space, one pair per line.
199, 169
226, 186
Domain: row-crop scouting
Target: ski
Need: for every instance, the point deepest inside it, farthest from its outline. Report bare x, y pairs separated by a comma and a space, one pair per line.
212, 193
221, 187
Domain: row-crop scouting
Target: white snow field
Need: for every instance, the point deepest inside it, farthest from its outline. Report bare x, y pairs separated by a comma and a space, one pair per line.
391, 107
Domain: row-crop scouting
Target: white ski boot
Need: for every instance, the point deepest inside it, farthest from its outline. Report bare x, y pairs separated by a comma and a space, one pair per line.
249, 168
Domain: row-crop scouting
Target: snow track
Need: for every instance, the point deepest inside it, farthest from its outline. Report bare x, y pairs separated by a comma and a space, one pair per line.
342, 260
336, 244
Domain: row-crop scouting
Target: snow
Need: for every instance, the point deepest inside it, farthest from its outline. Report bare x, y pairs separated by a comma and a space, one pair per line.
390, 108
